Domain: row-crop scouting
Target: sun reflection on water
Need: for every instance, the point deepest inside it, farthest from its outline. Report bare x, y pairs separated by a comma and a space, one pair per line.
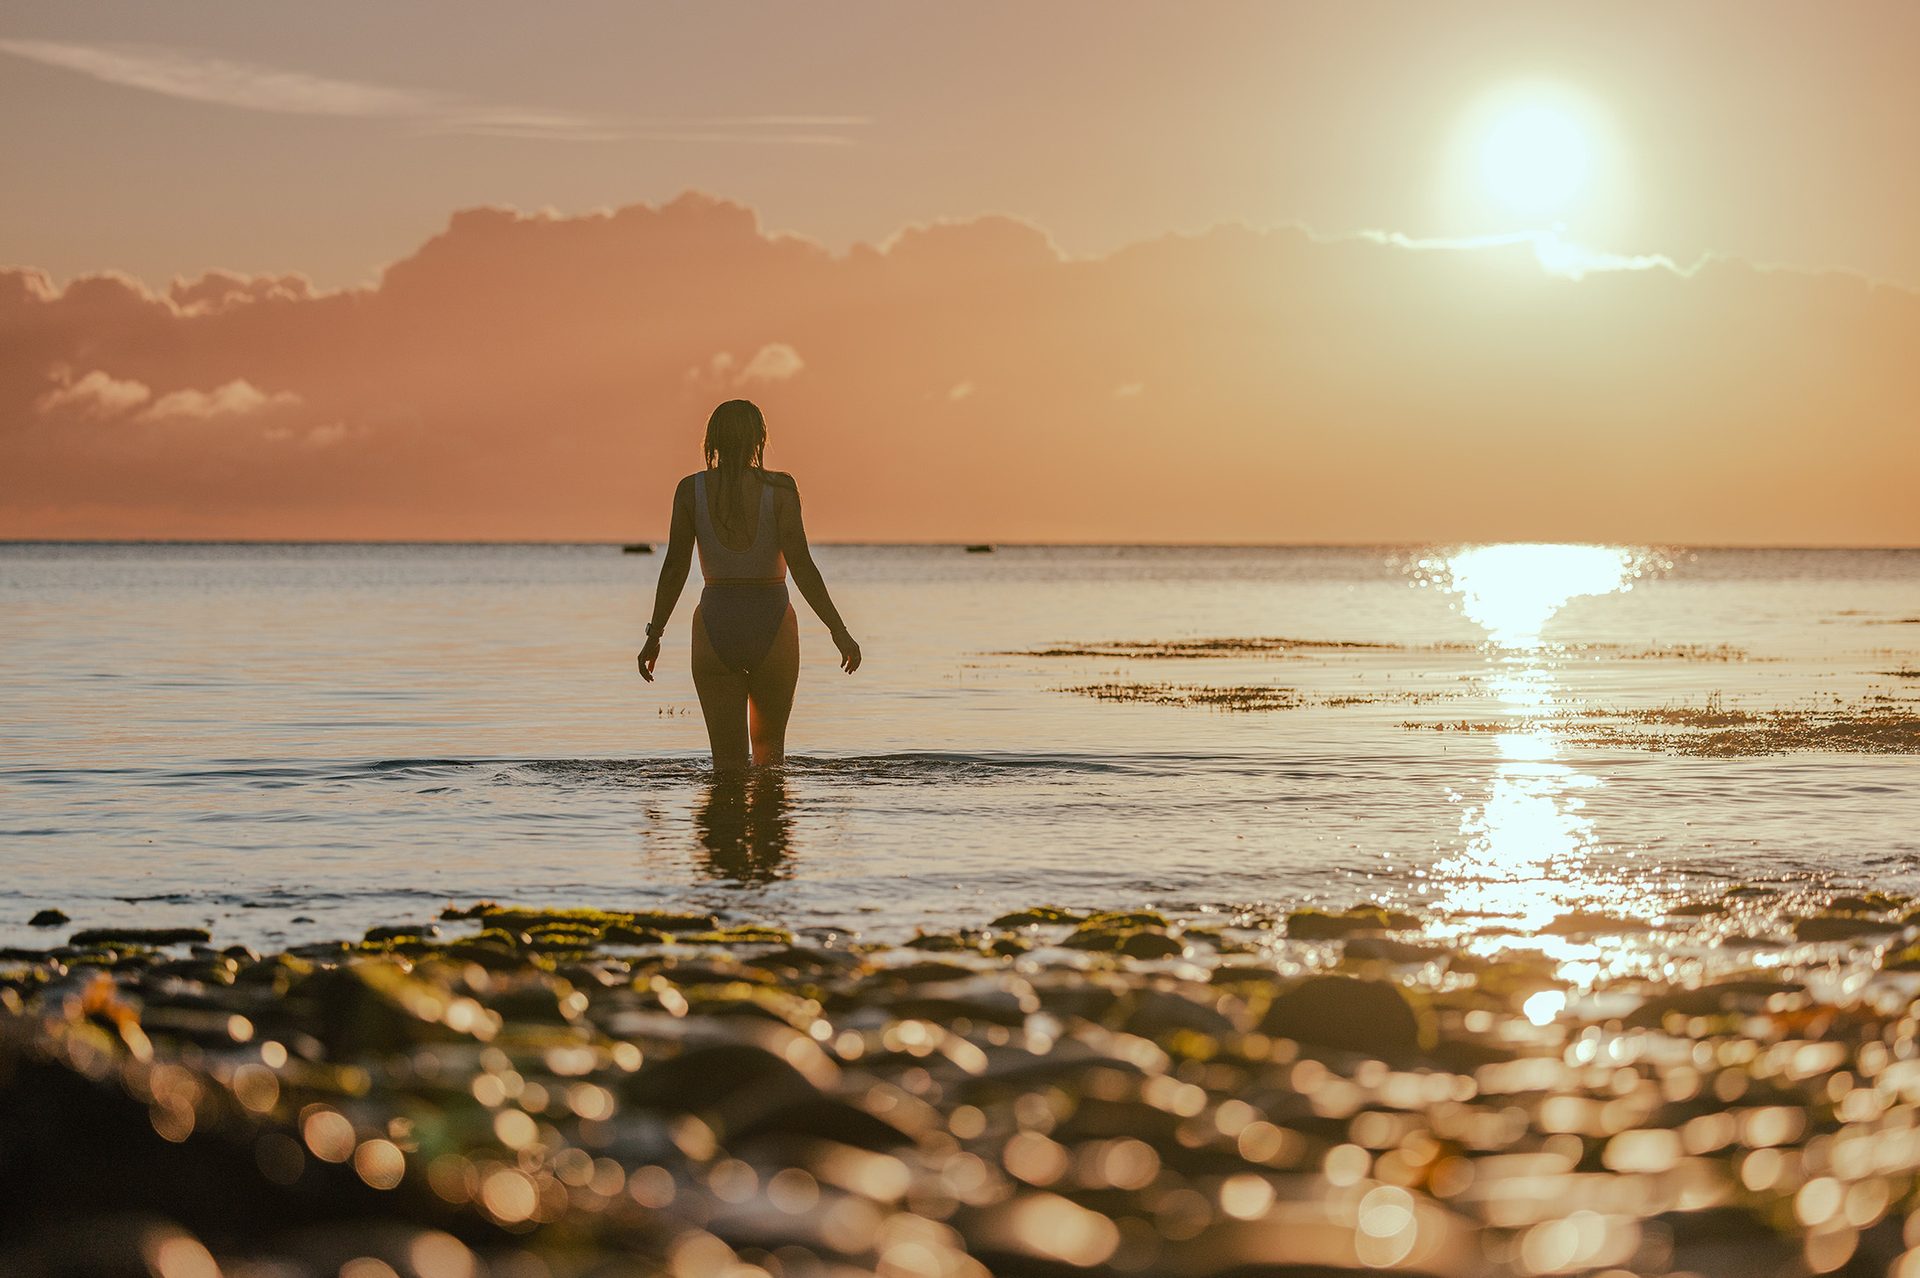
1527, 843
1512, 591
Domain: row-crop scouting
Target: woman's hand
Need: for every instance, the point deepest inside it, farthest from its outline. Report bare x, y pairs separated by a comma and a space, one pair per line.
650, 654
849, 651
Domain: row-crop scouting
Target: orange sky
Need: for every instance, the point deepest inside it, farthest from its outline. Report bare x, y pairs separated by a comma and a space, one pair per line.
1252, 287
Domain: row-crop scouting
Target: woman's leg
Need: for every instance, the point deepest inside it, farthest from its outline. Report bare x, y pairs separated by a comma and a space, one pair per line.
723, 700
770, 693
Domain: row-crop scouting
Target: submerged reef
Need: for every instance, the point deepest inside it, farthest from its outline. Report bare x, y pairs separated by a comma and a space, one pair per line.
1871, 725
575, 1093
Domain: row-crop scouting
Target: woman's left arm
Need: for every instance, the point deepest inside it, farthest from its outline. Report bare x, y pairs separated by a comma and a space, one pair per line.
673, 575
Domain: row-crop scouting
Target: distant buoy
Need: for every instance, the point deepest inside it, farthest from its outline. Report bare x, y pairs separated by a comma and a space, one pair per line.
637, 548
982, 549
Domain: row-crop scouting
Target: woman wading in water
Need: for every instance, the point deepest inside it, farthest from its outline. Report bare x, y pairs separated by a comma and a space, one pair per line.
745, 520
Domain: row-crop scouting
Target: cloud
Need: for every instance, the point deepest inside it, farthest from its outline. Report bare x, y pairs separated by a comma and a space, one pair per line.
1556, 254
97, 395
959, 391
774, 362
195, 76
542, 376
237, 398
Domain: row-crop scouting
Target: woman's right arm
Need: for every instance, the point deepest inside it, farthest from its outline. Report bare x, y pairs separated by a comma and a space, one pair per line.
673, 575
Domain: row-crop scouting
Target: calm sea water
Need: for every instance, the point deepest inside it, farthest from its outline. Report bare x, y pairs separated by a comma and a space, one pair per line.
290, 742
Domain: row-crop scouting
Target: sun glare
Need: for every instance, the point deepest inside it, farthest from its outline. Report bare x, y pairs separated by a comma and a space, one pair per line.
1535, 159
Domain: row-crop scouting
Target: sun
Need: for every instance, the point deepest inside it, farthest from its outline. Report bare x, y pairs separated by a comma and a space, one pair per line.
1535, 158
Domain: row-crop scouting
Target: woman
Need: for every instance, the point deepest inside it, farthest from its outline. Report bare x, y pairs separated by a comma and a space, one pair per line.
746, 643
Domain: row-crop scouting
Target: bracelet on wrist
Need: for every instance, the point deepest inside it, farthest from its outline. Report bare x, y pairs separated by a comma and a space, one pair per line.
655, 629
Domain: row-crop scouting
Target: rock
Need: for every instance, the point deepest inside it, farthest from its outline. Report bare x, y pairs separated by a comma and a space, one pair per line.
704, 1076
1593, 923
823, 1118
1739, 996
1348, 1012
541, 1000
1868, 903
403, 931
48, 918
1134, 942
1037, 915
139, 936
621, 934
1841, 927
1124, 919
1156, 1014
944, 942
1319, 925
1384, 949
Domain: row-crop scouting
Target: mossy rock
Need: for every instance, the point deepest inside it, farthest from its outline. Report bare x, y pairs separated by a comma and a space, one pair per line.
1384, 949
1039, 914
403, 932
1349, 1012
1842, 927
478, 909
1126, 919
1218, 940
1698, 909
492, 958
708, 1075
747, 934
1866, 903
1510, 980
1737, 996
944, 942
621, 934
524, 919
582, 932
1322, 925
1594, 923
140, 936
1134, 942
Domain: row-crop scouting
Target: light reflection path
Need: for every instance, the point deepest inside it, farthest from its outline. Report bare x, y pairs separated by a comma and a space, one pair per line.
1527, 851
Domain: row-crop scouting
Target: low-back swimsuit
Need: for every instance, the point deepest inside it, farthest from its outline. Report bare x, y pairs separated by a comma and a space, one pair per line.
745, 596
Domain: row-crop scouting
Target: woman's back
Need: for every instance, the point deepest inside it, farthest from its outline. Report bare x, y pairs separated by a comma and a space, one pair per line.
759, 558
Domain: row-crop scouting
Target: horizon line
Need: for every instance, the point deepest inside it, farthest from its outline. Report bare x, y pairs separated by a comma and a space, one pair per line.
962, 544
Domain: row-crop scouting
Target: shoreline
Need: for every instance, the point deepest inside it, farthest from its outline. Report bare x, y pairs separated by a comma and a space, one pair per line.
557, 1093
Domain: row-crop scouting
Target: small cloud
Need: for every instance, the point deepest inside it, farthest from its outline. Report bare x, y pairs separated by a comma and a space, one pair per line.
98, 395
1129, 390
959, 391
774, 362
238, 398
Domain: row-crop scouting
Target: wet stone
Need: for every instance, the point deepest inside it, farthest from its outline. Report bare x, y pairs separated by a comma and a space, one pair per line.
140, 936
1346, 1012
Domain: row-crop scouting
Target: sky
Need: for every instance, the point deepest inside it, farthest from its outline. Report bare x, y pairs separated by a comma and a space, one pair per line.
1063, 271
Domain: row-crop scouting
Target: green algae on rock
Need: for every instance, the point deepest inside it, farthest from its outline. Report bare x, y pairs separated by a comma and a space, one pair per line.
1322, 925
1039, 914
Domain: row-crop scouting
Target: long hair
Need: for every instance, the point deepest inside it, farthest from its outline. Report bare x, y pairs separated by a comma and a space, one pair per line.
736, 442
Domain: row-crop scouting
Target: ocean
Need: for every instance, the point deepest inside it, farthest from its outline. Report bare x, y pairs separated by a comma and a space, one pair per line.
291, 742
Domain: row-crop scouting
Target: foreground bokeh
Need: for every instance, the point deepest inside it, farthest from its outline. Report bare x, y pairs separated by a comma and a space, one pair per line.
560, 1093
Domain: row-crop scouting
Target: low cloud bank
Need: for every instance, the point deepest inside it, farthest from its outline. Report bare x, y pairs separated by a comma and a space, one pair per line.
548, 377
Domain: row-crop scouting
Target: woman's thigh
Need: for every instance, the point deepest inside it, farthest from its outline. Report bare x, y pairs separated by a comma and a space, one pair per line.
770, 692
723, 700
